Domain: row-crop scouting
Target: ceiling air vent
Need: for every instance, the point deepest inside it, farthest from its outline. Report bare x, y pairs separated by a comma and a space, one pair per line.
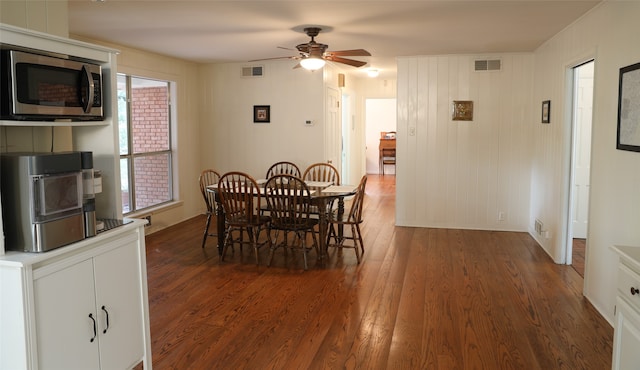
488, 65
252, 71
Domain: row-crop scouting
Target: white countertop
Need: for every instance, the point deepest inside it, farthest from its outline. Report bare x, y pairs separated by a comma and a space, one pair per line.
630, 254
15, 258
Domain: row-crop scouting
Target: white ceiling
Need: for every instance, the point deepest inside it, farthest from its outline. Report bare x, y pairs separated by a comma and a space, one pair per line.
239, 31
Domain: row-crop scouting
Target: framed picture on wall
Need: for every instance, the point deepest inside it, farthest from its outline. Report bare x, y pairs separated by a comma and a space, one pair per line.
261, 113
546, 111
462, 110
629, 108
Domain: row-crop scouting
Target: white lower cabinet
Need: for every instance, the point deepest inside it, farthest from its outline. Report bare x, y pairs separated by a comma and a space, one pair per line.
626, 337
86, 309
626, 340
85, 312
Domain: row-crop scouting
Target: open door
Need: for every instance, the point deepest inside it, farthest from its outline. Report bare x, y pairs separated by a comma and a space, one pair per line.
580, 164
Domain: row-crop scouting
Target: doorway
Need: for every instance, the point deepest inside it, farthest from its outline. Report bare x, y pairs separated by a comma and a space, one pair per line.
581, 125
380, 115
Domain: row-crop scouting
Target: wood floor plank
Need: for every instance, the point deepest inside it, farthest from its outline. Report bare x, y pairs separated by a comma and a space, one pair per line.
421, 299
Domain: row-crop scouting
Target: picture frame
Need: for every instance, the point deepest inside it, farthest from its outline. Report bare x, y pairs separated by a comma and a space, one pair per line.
261, 113
546, 111
462, 110
628, 137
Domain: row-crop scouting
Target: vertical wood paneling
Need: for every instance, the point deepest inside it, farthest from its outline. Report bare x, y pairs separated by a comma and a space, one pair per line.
422, 151
605, 33
465, 171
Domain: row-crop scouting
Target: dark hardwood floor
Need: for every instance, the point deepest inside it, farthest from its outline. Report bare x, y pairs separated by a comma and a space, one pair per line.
421, 299
577, 255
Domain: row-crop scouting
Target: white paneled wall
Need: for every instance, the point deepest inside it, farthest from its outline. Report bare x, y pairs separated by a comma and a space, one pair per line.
609, 34
230, 139
461, 174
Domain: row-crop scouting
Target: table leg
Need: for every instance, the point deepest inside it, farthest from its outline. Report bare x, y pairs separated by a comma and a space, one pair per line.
340, 213
322, 227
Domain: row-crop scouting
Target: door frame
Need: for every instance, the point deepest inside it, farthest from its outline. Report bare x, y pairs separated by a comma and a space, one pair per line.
570, 98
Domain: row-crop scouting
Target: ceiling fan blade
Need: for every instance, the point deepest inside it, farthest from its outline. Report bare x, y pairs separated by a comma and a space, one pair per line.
350, 53
282, 47
259, 60
351, 62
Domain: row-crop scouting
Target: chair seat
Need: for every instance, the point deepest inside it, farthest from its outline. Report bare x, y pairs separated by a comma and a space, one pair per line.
306, 225
243, 221
336, 218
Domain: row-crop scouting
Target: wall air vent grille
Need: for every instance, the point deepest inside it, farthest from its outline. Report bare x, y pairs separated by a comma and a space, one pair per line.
488, 65
253, 71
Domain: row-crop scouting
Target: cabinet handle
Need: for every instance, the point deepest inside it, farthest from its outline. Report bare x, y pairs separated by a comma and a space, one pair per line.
95, 332
107, 315
634, 291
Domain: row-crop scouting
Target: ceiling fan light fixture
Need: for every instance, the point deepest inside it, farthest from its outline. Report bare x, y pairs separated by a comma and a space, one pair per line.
373, 73
312, 63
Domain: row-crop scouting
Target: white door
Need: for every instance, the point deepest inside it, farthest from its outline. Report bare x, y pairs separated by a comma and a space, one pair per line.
626, 337
64, 330
333, 130
118, 298
582, 149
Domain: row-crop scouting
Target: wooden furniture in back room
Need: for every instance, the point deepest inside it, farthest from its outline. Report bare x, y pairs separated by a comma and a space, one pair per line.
387, 150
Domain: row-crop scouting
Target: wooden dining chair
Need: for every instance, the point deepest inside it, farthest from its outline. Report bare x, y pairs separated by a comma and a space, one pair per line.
240, 197
289, 199
322, 172
353, 219
208, 177
283, 168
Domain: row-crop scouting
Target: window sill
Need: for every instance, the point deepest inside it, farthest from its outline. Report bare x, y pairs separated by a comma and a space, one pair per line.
153, 210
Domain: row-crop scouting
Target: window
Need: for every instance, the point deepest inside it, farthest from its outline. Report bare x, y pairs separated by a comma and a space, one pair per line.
144, 123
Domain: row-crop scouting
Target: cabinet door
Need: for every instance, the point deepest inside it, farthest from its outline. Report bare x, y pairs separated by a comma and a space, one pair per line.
626, 340
118, 297
65, 332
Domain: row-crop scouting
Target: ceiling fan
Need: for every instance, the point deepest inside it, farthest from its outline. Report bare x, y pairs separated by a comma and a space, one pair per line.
313, 55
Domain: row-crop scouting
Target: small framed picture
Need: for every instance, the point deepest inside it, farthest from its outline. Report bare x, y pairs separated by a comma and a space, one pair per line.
546, 111
262, 113
462, 110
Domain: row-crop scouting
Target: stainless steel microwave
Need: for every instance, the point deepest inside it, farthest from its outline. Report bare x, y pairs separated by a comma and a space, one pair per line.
45, 88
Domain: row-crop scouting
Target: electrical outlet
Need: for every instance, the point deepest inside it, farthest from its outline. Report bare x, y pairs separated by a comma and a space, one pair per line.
148, 218
538, 226
501, 216
412, 131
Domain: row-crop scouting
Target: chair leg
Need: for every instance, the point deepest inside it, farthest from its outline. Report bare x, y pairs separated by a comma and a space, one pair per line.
206, 229
302, 235
356, 238
253, 239
360, 239
272, 247
226, 243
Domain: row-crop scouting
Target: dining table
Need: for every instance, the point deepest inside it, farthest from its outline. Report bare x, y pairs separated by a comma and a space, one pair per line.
323, 194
